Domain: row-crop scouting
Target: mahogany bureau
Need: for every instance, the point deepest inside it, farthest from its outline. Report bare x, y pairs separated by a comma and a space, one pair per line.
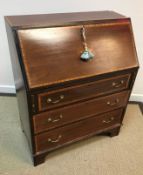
73, 73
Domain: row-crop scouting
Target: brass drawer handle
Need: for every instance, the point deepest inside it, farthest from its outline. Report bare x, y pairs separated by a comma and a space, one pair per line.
55, 120
117, 85
113, 103
108, 121
49, 100
55, 141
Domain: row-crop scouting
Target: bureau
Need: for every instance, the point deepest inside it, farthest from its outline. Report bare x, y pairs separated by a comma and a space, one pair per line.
73, 73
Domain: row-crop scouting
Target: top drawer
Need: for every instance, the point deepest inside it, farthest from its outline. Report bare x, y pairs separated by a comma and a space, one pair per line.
76, 93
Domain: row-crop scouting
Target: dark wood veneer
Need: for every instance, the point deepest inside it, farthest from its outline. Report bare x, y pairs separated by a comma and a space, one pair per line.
47, 20
45, 53
53, 48
74, 113
81, 129
85, 91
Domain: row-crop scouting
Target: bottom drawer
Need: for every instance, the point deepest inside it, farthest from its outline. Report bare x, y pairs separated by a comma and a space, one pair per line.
70, 133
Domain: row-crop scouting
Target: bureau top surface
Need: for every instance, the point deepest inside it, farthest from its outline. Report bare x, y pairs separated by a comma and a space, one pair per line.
51, 55
42, 20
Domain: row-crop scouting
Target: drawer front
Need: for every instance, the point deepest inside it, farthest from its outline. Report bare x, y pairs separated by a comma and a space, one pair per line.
77, 131
68, 114
72, 94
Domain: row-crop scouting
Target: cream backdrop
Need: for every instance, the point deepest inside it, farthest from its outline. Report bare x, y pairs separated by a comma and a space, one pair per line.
129, 8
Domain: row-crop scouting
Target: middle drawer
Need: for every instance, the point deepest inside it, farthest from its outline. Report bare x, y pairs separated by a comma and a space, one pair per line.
49, 120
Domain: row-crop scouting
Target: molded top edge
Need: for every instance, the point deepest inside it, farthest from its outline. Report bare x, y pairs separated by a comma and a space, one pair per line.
43, 20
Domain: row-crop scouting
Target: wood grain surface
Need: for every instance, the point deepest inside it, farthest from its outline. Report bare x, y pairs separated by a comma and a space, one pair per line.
51, 56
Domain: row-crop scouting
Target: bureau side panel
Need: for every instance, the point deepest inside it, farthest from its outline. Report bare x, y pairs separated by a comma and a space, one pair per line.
20, 85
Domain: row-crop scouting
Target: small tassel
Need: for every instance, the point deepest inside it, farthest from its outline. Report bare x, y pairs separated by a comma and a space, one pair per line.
86, 55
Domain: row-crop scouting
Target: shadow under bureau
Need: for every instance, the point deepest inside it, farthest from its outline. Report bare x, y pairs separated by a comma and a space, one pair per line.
73, 73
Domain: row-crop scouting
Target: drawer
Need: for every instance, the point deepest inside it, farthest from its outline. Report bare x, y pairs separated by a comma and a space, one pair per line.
72, 94
54, 118
77, 131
